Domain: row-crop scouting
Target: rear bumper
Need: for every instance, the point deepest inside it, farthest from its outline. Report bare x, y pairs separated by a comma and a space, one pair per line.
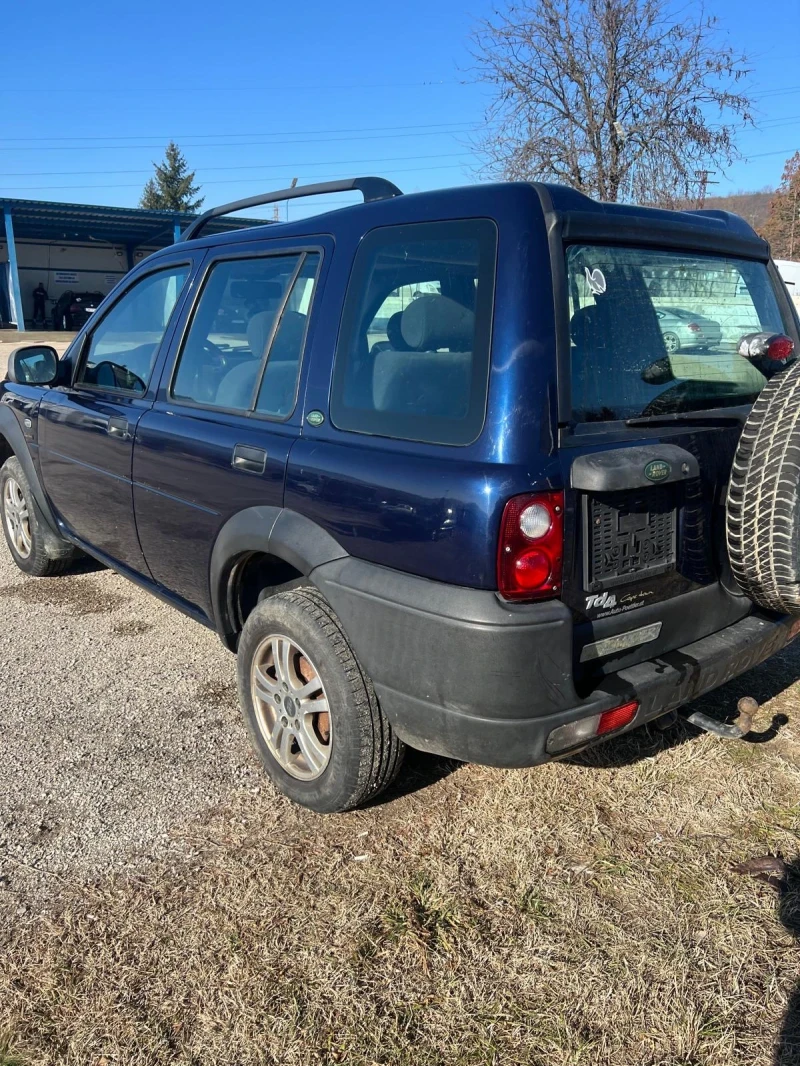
463, 674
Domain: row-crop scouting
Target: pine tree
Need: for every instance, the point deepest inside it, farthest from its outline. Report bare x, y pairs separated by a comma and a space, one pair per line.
782, 228
171, 188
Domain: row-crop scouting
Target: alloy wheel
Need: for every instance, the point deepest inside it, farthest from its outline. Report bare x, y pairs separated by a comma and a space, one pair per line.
291, 707
17, 518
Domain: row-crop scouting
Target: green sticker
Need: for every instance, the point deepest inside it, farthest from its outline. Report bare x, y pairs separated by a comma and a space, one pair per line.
315, 418
657, 470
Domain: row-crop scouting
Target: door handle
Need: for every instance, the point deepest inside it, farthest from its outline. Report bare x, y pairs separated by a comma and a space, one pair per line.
117, 427
253, 460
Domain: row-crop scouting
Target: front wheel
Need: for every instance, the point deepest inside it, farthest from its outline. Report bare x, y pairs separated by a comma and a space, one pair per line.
31, 550
311, 710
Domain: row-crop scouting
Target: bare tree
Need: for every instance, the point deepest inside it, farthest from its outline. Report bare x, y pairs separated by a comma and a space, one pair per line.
613, 97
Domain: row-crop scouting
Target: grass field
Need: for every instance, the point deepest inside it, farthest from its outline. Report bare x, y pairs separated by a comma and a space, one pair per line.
578, 913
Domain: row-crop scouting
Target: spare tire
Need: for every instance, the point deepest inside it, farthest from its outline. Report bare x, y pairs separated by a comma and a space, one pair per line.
763, 505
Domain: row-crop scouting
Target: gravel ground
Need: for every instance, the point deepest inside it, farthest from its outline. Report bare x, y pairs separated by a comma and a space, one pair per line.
119, 722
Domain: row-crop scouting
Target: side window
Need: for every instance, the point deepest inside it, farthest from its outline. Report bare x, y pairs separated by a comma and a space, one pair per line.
413, 354
122, 348
276, 396
251, 312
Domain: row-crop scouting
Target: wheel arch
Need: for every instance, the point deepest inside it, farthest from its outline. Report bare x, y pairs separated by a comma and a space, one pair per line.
259, 549
12, 442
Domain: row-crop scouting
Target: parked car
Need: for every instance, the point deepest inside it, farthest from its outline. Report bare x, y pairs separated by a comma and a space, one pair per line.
72, 310
684, 329
488, 537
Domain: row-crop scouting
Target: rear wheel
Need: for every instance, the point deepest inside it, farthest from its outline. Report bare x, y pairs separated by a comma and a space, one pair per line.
33, 551
671, 343
311, 710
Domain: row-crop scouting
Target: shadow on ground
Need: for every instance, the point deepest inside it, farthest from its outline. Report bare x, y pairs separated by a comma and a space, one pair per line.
788, 1050
420, 771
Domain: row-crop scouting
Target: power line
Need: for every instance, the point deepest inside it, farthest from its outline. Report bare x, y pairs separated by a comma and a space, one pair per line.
220, 181
61, 90
238, 144
271, 133
249, 166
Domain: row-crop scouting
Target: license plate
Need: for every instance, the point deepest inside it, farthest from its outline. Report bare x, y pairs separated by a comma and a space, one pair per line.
628, 536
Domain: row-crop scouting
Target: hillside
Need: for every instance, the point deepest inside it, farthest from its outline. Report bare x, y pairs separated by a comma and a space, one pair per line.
753, 206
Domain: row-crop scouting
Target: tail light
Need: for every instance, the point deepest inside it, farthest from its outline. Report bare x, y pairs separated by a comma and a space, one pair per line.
775, 346
531, 548
693, 326
780, 348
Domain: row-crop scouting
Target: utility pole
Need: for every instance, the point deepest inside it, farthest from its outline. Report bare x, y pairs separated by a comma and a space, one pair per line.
704, 180
794, 222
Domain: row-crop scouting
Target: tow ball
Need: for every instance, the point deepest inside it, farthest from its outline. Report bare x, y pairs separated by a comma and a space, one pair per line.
747, 707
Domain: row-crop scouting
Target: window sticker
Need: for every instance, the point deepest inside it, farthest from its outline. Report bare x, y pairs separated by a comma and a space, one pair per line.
596, 280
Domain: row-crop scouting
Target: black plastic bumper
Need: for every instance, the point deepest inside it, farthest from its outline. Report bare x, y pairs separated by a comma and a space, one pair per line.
463, 674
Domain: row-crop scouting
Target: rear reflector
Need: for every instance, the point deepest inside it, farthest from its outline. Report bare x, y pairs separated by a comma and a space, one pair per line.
616, 719
574, 734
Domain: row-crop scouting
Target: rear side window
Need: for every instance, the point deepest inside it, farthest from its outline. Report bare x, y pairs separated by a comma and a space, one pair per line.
245, 343
657, 332
413, 354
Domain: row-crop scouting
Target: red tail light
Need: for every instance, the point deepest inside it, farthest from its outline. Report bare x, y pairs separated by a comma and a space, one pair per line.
531, 548
693, 326
780, 348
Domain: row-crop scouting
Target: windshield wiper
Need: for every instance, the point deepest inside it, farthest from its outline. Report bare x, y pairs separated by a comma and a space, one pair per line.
687, 418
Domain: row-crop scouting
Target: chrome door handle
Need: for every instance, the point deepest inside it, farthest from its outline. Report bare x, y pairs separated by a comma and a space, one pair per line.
117, 427
253, 460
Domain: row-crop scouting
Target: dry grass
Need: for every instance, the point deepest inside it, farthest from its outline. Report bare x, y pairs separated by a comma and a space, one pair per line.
581, 913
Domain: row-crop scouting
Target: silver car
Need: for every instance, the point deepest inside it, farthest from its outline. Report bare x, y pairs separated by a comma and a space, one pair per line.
684, 330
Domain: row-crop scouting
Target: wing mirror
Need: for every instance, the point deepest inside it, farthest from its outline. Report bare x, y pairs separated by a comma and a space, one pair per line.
34, 364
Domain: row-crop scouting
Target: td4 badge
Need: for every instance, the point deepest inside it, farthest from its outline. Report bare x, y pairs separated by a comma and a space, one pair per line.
605, 600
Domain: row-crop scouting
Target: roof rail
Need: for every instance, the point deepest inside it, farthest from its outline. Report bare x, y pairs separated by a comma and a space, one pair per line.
372, 189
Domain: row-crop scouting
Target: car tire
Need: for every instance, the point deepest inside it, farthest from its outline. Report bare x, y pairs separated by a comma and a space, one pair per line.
310, 708
671, 343
763, 504
36, 551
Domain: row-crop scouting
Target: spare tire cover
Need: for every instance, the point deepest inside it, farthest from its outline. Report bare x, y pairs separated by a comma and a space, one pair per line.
763, 505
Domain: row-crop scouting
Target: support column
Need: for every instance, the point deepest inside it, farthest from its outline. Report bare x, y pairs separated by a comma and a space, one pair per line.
176, 232
129, 249
16, 292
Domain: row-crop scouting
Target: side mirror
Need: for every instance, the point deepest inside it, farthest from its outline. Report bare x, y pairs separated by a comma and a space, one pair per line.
35, 364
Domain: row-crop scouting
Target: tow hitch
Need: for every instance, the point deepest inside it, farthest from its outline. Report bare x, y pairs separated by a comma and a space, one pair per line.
747, 707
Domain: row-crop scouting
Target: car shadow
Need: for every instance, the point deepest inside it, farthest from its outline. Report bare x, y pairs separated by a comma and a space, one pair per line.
420, 771
85, 565
787, 1052
763, 683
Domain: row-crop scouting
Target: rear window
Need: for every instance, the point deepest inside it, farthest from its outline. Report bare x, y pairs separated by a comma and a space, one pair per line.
657, 332
413, 355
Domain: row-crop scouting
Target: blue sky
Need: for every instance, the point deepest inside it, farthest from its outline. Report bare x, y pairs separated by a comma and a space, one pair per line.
259, 93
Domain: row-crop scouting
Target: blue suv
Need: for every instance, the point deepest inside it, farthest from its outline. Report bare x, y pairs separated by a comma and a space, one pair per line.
426, 466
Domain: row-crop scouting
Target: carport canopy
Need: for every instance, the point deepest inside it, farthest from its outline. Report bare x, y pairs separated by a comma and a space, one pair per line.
131, 227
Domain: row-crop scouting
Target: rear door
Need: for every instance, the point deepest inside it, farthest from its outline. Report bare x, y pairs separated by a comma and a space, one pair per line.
648, 453
217, 439
87, 429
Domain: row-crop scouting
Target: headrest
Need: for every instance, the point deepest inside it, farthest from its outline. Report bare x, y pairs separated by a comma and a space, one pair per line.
258, 331
394, 332
432, 321
587, 327
289, 337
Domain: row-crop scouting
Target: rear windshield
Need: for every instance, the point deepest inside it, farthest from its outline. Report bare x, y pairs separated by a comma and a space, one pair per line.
657, 332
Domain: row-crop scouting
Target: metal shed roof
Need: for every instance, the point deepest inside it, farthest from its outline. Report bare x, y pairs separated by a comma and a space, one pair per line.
43, 220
